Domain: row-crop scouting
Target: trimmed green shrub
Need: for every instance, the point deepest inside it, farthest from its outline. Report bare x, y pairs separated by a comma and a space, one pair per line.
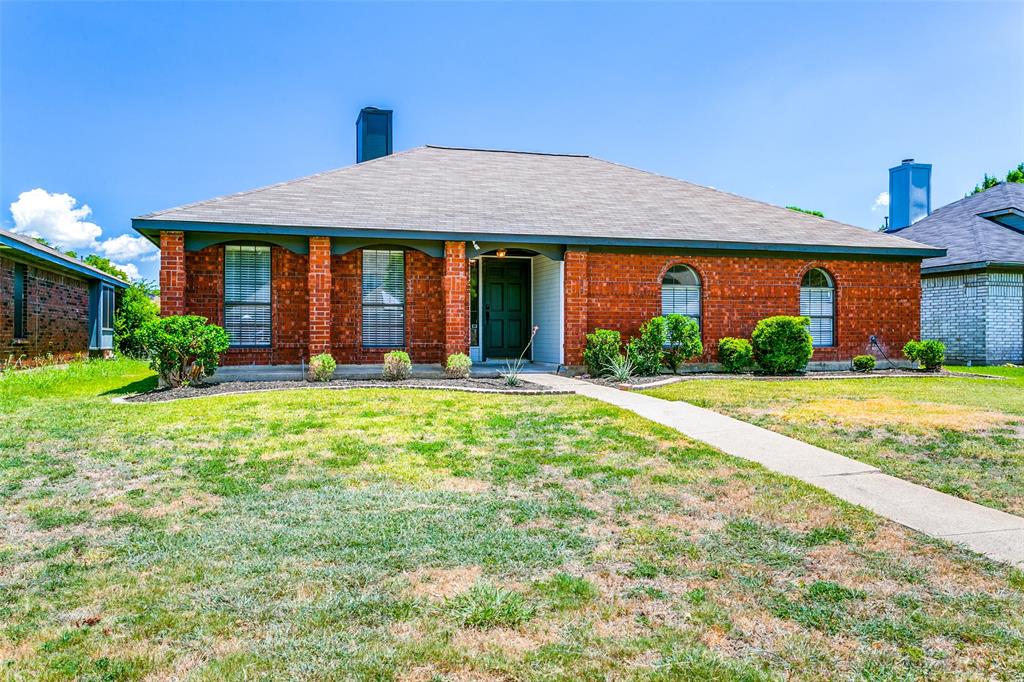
683, 340
321, 367
135, 309
863, 363
602, 346
397, 366
929, 353
647, 350
782, 344
457, 366
183, 349
735, 354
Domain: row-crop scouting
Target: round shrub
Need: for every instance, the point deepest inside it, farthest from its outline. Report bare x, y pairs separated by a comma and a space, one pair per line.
457, 366
929, 353
863, 363
321, 367
735, 354
602, 346
683, 340
183, 349
782, 344
397, 366
647, 350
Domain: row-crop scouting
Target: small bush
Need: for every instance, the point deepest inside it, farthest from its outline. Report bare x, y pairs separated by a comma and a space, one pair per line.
683, 340
321, 367
647, 350
863, 363
620, 368
782, 344
183, 348
397, 366
486, 606
602, 346
735, 354
929, 353
457, 366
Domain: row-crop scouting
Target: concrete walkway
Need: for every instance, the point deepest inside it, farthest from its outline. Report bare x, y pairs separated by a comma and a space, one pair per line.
987, 531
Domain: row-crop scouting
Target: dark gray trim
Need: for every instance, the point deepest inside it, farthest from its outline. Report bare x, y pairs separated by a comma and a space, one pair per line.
977, 265
147, 227
343, 245
197, 241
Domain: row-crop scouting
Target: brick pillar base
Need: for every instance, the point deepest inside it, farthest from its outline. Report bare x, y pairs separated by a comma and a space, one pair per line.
576, 301
319, 295
172, 273
455, 286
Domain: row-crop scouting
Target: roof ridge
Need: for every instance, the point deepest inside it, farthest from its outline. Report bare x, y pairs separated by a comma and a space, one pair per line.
285, 183
505, 151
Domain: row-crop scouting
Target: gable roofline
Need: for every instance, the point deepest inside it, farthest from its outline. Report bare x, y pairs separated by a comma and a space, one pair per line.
151, 229
29, 246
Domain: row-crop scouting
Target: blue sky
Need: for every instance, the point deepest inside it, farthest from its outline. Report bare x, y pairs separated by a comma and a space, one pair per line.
130, 108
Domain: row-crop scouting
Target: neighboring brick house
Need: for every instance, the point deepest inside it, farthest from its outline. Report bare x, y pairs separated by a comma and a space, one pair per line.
51, 303
973, 297
439, 249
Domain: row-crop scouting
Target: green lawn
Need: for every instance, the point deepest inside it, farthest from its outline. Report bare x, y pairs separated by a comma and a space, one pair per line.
963, 436
433, 535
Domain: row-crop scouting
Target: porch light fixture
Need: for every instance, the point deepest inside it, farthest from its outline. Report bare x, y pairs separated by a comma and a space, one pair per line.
500, 253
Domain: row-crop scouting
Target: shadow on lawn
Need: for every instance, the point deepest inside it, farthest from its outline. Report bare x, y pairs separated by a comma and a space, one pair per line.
140, 386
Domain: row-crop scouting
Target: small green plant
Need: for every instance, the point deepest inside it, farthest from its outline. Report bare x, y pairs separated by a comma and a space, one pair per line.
647, 350
736, 355
684, 342
457, 366
782, 344
602, 346
929, 353
564, 591
397, 365
513, 368
183, 349
486, 606
863, 363
321, 367
620, 368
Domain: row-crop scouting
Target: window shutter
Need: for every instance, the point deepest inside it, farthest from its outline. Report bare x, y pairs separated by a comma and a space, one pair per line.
247, 294
383, 299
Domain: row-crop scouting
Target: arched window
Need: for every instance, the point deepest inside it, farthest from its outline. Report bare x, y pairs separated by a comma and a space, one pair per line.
818, 302
680, 292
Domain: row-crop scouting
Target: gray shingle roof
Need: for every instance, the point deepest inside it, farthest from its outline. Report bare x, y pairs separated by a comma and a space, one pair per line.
35, 249
966, 236
506, 195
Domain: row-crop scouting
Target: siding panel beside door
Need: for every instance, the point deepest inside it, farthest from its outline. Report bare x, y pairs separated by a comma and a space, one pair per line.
547, 309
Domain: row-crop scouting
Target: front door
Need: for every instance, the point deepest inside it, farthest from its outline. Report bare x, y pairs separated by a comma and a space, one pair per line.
506, 306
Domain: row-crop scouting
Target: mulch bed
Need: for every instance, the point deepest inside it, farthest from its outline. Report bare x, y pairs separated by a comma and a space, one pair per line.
472, 385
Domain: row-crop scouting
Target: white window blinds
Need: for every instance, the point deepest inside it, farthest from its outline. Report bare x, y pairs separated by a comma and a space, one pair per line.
383, 299
247, 294
817, 301
680, 292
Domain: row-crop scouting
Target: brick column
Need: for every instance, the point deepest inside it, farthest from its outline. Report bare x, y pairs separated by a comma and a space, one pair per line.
319, 280
172, 273
577, 289
455, 286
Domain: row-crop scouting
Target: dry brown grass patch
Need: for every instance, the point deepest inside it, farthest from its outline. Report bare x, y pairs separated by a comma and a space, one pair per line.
871, 412
441, 583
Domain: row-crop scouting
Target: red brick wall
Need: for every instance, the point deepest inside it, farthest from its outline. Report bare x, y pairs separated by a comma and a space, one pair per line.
204, 295
172, 273
456, 298
57, 313
621, 291
319, 283
424, 309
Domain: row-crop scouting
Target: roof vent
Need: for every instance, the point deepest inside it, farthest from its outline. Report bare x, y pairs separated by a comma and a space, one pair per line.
373, 134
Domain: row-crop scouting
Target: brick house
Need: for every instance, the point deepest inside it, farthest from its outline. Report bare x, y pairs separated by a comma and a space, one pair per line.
439, 250
973, 297
51, 302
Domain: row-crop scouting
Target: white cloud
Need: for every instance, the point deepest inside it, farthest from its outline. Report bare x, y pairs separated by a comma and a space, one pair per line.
126, 247
881, 201
54, 217
38, 213
129, 269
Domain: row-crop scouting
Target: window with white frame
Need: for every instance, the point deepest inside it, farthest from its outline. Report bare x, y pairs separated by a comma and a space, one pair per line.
680, 292
247, 294
383, 299
818, 302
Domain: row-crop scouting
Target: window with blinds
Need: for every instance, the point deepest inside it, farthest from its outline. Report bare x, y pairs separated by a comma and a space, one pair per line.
247, 294
680, 292
107, 308
20, 308
383, 299
817, 301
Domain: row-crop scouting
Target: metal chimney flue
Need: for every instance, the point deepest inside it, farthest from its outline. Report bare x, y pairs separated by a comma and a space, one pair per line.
373, 134
910, 193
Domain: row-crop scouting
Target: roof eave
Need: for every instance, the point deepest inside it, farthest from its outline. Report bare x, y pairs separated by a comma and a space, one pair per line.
147, 227
66, 263
974, 265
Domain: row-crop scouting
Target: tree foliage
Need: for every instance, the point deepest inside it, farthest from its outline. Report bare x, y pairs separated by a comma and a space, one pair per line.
104, 264
806, 210
990, 181
135, 309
